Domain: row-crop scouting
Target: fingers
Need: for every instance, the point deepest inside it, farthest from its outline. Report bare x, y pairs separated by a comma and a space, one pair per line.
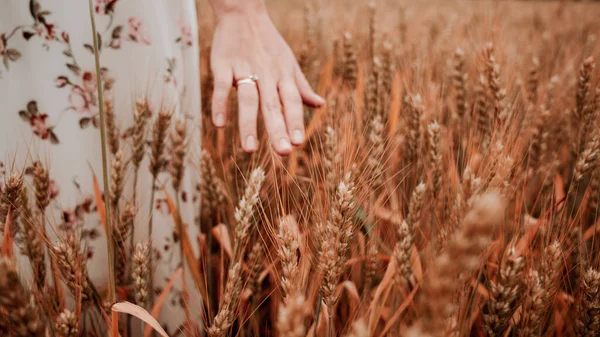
307, 93
248, 112
292, 105
274, 122
223, 82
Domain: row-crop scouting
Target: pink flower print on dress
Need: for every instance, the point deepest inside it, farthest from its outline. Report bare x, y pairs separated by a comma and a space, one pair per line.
89, 81
137, 33
46, 31
105, 6
185, 36
80, 100
38, 122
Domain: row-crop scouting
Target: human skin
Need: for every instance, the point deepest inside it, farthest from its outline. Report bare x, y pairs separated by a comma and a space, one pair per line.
247, 43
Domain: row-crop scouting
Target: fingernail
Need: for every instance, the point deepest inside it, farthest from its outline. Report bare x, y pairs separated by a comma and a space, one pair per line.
285, 145
297, 136
220, 120
250, 143
320, 99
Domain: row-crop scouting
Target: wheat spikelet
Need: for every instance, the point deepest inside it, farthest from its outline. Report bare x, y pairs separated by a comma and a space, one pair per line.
481, 112
245, 210
140, 118
292, 315
211, 187
10, 198
350, 70
41, 181
401, 253
388, 73
157, 146
583, 86
588, 305
255, 261
413, 136
504, 294
179, 150
543, 287
72, 265
589, 119
533, 81
116, 179
461, 255
67, 324
141, 272
416, 205
588, 160
497, 93
338, 66
19, 317
331, 159
32, 241
459, 81
226, 315
539, 134
375, 165
550, 271
454, 219
122, 232
372, 91
533, 306
371, 260
288, 253
338, 233
435, 155
112, 131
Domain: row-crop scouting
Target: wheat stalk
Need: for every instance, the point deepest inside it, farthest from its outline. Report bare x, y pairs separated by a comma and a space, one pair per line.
288, 250
588, 305
339, 232
245, 210
67, 324
350, 62
226, 315
461, 255
141, 272
72, 265
504, 294
112, 131
17, 315
292, 315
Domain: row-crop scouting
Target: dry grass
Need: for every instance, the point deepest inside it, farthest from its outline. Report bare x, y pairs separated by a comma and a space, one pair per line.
450, 187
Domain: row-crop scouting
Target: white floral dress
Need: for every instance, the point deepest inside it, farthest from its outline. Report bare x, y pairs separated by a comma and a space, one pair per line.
49, 108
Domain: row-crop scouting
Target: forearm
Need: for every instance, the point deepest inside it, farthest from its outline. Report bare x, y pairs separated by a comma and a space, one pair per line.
224, 7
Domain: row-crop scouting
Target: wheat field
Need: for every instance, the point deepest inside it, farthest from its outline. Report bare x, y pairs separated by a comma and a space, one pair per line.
449, 187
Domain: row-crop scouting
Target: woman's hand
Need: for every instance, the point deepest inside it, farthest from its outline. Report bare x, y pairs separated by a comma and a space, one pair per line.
247, 43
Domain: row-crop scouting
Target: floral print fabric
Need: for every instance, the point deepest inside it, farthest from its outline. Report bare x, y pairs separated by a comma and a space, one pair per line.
49, 105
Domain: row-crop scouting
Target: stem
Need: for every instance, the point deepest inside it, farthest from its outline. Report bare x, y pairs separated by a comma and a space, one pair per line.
109, 229
131, 243
318, 311
151, 255
182, 260
7, 37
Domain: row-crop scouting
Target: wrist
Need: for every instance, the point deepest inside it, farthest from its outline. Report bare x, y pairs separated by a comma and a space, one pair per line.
223, 8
